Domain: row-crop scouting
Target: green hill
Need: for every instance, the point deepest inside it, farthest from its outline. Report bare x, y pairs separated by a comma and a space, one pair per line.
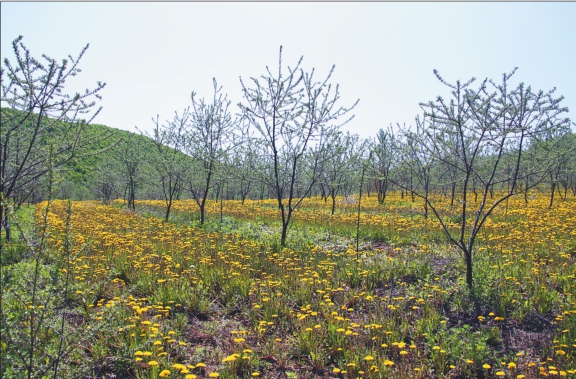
101, 146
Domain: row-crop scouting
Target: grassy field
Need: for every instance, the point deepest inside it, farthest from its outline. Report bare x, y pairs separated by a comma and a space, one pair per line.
119, 294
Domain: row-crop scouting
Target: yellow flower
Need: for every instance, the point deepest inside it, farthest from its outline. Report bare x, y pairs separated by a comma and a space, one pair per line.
369, 358
214, 375
153, 363
164, 373
500, 373
486, 366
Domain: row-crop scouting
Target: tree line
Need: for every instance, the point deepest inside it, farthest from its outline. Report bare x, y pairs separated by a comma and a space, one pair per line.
487, 141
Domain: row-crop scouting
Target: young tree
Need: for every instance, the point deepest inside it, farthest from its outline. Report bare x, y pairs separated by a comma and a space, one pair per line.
383, 161
244, 161
559, 169
42, 125
422, 166
209, 137
132, 160
484, 136
342, 155
106, 180
168, 159
292, 114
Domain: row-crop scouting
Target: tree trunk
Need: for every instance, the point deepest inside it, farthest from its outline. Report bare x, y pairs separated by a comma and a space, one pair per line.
468, 255
284, 233
333, 203
1, 227
201, 214
7, 230
168, 211
552, 189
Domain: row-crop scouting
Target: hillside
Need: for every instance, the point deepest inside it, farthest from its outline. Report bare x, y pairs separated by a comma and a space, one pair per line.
100, 150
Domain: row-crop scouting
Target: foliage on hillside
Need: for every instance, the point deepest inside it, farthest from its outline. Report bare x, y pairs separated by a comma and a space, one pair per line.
77, 176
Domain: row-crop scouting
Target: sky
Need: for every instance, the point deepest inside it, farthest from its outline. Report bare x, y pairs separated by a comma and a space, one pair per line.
152, 55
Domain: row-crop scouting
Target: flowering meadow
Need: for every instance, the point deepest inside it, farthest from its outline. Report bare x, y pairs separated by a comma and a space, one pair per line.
133, 296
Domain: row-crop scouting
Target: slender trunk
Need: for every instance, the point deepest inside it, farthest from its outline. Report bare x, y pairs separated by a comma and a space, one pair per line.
221, 203
7, 230
333, 195
468, 255
1, 241
561, 188
552, 189
426, 192
359, 204
284, 233
168, 211
201, 214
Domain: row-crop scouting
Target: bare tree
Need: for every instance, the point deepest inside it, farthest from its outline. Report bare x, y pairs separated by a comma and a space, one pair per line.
42, 126
292, 114
484, 136
131, 157
421, 164
106, 179
343, 153
209, 137
168, 159
383, 161
243, 162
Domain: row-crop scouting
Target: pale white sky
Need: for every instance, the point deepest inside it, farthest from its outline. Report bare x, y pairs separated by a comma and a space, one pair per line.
152, 55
